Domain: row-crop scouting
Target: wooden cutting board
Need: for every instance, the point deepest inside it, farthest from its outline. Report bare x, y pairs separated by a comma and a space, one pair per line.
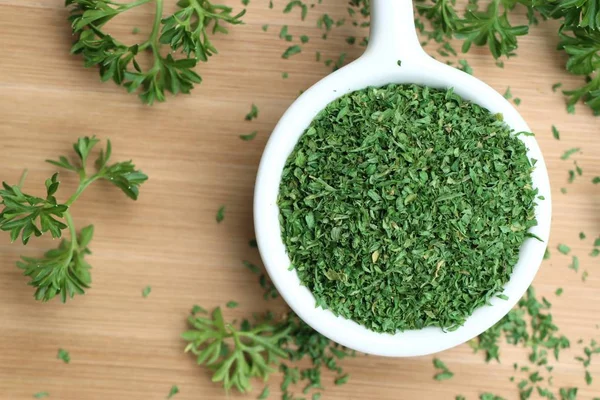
124, 346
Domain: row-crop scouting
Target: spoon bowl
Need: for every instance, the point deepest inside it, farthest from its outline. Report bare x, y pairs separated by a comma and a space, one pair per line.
394, 55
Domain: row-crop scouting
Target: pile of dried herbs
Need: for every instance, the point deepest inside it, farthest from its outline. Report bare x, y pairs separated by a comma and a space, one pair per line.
403, 207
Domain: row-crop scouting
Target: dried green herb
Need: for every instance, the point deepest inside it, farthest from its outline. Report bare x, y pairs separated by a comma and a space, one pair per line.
297, 3
284, 75
40, 395
564, 249
517, 101
569, 153
490, 396
596, 180
232, 304
556, 86
146, 291
64, 355
388, 198
555, 133
304, 39
220, 214
265, 27
174, 389
253, 114
283, 34
443, 372
295, 49
250, 136
508, 94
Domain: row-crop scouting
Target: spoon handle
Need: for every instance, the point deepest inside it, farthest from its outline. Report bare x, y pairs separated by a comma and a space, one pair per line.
393, 36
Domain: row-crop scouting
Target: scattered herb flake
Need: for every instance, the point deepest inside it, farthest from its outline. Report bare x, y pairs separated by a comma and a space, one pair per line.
249, 136
265, 27
582, 235
556, 86
517, 101
146, 291
253, 114
232, 304
569, 153
574, 264
63, 355
174, 389
596, 180
342, 379
564, 249
220, 214
292, 50
304, 39
40, 395
253, 268
555, 133
284, 75
558, 291
508, 94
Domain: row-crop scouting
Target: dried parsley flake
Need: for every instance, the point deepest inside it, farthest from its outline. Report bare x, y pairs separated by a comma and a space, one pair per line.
404, 206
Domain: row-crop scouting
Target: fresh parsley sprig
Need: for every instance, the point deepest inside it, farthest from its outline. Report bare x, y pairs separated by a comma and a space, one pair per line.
579, 34
62, 271
490, 27
185, 31
235, 354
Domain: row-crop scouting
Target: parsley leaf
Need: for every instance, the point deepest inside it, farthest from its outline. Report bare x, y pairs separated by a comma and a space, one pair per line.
492, 28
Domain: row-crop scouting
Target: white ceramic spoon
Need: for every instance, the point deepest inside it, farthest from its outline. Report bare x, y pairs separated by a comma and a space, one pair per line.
393, 37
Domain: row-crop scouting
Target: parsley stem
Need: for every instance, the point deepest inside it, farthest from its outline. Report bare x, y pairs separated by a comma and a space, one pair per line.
84, 183
72, 231
22, 179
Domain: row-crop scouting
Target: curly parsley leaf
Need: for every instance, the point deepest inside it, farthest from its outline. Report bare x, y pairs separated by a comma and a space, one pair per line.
490, 27
63, 271
185, 31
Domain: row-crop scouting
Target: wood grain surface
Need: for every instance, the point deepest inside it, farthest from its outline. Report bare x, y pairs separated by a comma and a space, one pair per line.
124, 346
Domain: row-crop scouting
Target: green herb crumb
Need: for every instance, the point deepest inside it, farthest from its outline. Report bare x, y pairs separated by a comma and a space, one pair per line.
253, 114
64, 355
174, 389
568, 153
564, 249
232, 304
292, 50
220, 214
250, 136
146, 291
